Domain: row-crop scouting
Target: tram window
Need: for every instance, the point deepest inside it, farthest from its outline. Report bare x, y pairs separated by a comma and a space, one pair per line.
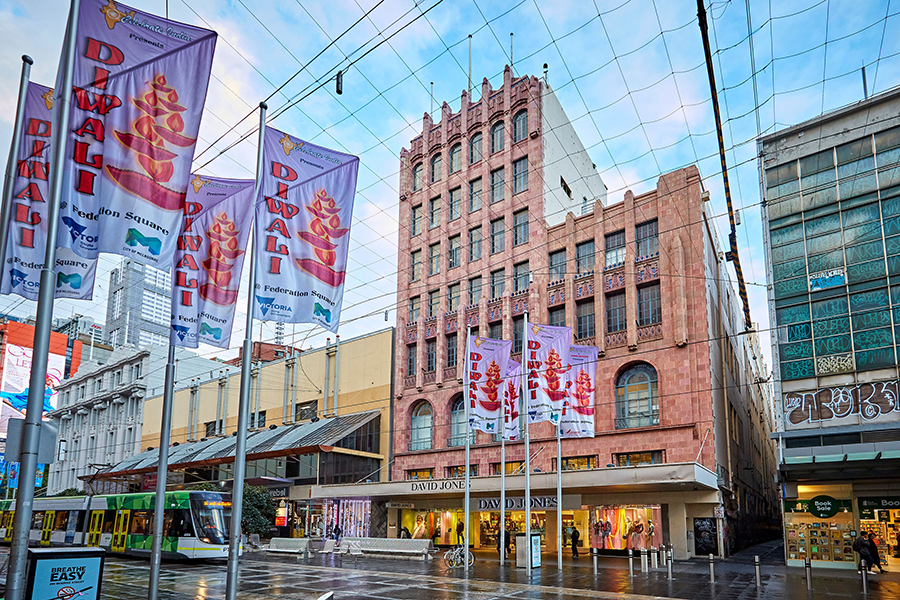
37, 520
177, 523
141, 522
78, 515
109, 521
62, 519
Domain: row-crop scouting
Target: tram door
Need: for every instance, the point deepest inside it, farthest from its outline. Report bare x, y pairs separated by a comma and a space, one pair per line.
10, 515
47, 527
120, 531
96, 528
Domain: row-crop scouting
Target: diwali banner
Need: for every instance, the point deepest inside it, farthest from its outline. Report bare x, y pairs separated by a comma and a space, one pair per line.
303, 213
487, 363
546, 368
139, 87
26, 243
578, 410
218, 215
511, 389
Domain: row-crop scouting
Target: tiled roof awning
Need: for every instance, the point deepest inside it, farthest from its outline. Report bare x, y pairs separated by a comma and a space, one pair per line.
305, 438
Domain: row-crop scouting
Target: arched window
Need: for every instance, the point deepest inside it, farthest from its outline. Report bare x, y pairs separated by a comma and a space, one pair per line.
420, 434
417, 177
474, 148
435, 168
458, 425
497, 137
520, 126
637, 397
455, 158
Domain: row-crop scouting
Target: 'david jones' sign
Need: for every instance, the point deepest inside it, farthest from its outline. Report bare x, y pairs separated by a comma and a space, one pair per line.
847, 405
449, 485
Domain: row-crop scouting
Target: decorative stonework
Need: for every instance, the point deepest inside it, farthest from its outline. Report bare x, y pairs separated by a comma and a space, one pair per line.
495, 311
450, 325
430, 329
520, 306
584, 289
647, 271
409, 381
616, 340
454, 127
411, 335
615, 280
449, 373
472, 318
557, 296
428, 377
475, 115
650, 332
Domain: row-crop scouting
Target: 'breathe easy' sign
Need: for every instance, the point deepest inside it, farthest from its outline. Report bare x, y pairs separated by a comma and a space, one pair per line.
64, 573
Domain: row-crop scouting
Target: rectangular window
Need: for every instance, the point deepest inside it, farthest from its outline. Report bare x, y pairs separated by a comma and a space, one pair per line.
475, 243
260, 420
498, 283
434, 259
512, 468
557, 316
649, 307
415, 265
615, 249
577, 463
615, 312
498, 185
475, 195
430, 356
498, 235
414, 304
474, 291
495, 330
210, 429
416, 221
520, 227
304, 411
453, 297
557, 265
455, 201
518, 333
520, 175
460, 471
420, 474
584, 257
451, 350
647, 236
411, 357
434, 213
584, 319
521, 275
630, 459
434, 302
453, 252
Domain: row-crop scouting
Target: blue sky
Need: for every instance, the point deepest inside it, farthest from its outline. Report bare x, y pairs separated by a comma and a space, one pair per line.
630, 75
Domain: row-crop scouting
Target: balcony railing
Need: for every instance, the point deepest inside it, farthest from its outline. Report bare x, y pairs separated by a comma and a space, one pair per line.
449, 373
415, 445
641, 420
409, 381
454, 441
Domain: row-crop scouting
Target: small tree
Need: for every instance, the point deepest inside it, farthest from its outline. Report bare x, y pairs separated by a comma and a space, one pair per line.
70, 492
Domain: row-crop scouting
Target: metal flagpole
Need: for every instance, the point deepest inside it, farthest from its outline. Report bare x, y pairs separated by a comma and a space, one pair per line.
31, 430
502, 540
240, 447
468, 432
527, 454
12, 164
162, 470
559, 531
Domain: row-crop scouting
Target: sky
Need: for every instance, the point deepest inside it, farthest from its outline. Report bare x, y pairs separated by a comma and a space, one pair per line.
630, 75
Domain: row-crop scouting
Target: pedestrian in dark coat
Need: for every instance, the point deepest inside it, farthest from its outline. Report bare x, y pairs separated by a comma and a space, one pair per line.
575, 539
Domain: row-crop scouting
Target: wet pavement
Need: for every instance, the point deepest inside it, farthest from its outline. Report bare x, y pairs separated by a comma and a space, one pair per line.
264, 576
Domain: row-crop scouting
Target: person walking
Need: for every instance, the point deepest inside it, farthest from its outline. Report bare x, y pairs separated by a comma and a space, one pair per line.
873, 551
861, 547
404, 533
460, 531
575, 537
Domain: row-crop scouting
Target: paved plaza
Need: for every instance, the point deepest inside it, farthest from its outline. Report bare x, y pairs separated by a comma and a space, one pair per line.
265, 576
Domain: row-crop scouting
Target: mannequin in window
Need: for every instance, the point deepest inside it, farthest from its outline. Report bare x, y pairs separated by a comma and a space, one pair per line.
626, 534
637, 534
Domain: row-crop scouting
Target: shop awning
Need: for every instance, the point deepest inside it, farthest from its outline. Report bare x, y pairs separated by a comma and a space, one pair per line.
286, 440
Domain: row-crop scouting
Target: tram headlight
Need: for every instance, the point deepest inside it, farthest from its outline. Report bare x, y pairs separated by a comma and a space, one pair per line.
204, 539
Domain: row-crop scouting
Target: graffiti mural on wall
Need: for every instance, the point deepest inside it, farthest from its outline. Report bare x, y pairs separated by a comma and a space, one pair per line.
867, 400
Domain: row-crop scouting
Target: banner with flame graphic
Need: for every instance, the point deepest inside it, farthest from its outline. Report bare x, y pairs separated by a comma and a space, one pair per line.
487, 365
578, 412
303, 212
512, 389
27, 240
547, 362
218, 215
139, 87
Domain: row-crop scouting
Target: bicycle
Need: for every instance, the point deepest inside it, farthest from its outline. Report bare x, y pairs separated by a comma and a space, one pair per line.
455, 557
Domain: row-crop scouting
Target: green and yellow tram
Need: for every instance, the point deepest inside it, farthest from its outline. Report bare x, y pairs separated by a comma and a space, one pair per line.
195, 524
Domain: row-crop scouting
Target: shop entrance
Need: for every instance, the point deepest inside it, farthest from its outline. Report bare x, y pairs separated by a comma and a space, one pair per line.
489, 527
886, 527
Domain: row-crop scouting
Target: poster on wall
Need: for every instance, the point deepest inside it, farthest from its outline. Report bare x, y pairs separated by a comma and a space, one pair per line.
706, 536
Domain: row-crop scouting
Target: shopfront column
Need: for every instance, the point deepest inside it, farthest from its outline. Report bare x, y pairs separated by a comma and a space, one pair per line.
678, 531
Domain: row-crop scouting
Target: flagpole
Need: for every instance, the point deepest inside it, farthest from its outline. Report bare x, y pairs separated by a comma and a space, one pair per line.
502, 540
468, 432
31, 430
240, 447
559, 532
527, 453
12, 164
162, 475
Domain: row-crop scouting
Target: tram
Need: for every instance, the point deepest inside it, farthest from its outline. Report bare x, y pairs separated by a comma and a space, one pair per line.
195, 524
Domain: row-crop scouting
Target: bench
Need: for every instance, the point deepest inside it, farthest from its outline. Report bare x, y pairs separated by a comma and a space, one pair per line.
396, 548
289, 545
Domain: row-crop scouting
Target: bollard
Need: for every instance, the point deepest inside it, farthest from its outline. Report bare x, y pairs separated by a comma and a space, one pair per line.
644, 566
808, 574
654, 558
756, 567
630, 562
669, 563
864, 569
662, 551
712, 570
594, 554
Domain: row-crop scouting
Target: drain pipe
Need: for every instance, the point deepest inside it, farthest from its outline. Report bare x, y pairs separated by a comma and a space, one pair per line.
327, 376
337, 370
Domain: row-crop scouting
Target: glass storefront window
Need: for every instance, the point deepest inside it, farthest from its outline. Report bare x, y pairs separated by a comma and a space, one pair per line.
816, 538
625, 527
438, 525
